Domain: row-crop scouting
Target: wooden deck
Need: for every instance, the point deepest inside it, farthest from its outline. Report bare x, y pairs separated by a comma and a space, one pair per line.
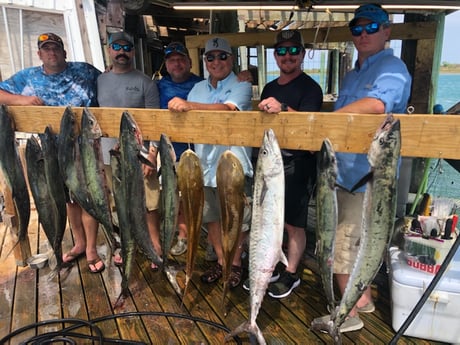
30, 298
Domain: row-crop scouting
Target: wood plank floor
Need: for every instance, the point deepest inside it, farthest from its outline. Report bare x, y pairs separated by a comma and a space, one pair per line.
35, 301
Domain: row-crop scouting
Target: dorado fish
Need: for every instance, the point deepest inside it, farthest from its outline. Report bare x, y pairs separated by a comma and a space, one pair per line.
56, 190
379, 210
230, 186
93, 168
169, 195
267, 225
133, 186
13, 172
190, 181
326, 218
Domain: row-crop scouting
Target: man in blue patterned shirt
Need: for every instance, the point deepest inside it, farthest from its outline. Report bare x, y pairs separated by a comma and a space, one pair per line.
60, 83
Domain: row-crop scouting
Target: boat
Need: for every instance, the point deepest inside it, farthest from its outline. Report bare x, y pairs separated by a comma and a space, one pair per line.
80, 304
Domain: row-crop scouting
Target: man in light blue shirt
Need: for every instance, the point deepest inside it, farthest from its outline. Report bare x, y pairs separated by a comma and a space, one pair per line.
379, 83
221, 91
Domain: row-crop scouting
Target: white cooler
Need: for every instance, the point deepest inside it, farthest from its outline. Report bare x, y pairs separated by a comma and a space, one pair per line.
438, 318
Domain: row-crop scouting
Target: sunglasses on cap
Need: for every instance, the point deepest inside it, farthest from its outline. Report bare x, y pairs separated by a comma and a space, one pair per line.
294, 50
177, 48
370, 28
220, 56
126, 47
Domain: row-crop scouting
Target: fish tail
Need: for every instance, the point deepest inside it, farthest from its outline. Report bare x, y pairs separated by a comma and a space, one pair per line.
249, 328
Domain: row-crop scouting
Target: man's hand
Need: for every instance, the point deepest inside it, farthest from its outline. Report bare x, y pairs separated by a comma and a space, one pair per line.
178, 104
152, 157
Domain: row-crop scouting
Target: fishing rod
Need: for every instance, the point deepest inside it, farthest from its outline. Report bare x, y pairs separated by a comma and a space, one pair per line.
427, 292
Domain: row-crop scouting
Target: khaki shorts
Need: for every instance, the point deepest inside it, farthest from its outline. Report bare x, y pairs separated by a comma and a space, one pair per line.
350, 207
152, 192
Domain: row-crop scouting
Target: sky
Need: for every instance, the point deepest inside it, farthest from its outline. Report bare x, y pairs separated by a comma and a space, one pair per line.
450, 47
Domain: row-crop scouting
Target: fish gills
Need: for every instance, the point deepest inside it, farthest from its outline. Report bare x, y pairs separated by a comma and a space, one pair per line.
169, 195
13, 172
190, 182
326, 217
230, 186
266, 235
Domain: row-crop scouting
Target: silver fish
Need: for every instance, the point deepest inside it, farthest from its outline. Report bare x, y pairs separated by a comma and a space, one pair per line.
266, 235
379, 211
326, 217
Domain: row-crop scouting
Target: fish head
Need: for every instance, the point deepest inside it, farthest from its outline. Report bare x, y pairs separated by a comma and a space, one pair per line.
89, 125
270, 154
129, 126
68, 127
386, 142
167, 146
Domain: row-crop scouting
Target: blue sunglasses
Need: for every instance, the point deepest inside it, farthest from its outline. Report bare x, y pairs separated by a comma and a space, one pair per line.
294, 50
370, 29
126, 47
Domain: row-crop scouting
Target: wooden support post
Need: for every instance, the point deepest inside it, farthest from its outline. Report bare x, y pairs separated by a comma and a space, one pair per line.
22, 250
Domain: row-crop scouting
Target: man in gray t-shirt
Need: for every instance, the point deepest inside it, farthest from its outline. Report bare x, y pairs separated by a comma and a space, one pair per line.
125, 87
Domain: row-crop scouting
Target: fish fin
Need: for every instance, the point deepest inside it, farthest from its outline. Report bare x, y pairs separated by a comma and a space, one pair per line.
283, 259
247, 327
366, 178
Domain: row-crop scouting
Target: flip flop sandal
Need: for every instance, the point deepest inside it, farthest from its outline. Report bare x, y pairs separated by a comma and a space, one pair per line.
235, 276
154, 267
92, 265
73, 257
212, 274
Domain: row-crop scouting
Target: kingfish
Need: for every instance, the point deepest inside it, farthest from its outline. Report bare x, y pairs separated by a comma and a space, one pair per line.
230, 186
379, 211
70, 162
13, 172
169, 195
326, 217
56, 189
190, 182
128, 243
267, 225
93, 168
133, 186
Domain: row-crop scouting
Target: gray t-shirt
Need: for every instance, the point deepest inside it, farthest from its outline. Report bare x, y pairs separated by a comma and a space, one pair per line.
125, 90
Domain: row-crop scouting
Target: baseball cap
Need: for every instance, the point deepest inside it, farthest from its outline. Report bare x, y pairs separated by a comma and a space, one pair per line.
217, 43
121, 36
293, 36
372, 12
49, 37
176, 47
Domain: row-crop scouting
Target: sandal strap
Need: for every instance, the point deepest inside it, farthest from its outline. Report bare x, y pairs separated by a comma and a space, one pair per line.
212, 274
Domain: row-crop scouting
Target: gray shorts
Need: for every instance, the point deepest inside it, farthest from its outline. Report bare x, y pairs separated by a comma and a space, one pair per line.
350, 208
211, 209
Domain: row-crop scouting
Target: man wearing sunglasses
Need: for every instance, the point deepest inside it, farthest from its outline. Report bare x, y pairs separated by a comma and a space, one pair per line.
379, 83
60, 83
293, 90
126, 87
221, 91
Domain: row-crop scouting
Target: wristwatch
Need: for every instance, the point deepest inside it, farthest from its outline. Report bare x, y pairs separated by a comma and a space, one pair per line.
284, 107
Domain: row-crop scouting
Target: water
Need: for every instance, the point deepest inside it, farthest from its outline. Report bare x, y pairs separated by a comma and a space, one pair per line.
448, 90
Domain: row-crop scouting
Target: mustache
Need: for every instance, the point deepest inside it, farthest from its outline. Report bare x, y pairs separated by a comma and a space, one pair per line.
122, 56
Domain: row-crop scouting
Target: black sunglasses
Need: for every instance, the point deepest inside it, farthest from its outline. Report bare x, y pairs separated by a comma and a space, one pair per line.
294, 50
126, 47
220, 56
370, 28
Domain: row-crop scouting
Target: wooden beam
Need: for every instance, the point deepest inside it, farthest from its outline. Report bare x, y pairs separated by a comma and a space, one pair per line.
436, 136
